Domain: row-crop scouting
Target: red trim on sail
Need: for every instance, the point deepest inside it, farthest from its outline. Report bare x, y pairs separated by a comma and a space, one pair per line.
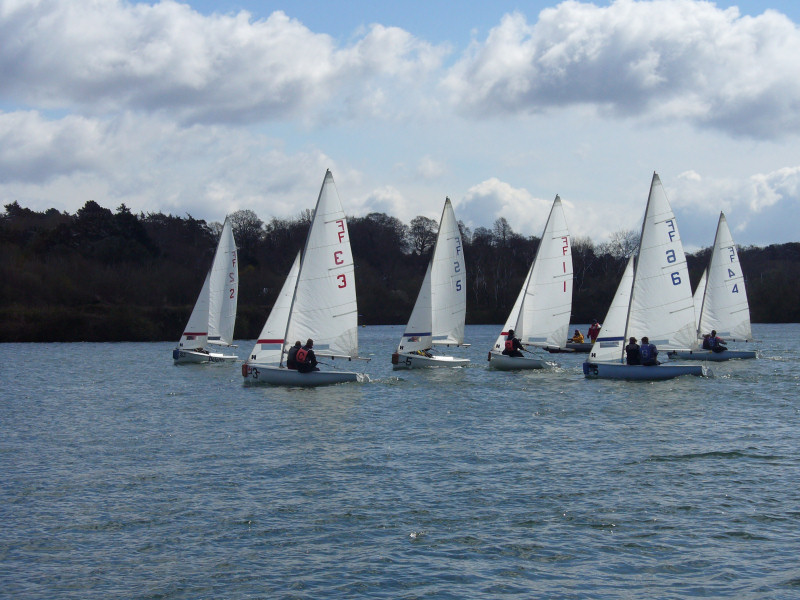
270, 341
194, 333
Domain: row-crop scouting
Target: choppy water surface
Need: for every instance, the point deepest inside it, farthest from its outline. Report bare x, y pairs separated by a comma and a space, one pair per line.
125, 476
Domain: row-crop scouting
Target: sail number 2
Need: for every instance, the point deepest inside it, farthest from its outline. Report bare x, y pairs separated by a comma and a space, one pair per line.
232, 277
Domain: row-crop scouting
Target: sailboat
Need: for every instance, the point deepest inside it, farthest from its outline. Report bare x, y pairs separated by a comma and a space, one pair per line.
540, 316
721, 301
654, 299
214, 314
317, 301
441, 306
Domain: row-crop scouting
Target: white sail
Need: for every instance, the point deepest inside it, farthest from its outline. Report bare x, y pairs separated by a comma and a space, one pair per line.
441, 305
324, 304
419, 330
270, 344
610, 344
513, 320
223, 290
547, 307
697, 298
725, 307
542, 311
448, 282
195, 335
661, 300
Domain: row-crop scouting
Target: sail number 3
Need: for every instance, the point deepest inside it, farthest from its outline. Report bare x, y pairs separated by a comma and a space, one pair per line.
337, 256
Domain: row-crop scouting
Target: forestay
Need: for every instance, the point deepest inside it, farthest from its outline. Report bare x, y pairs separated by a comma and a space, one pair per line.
195, 335
697, 298
419, 330
610, 344
270, 345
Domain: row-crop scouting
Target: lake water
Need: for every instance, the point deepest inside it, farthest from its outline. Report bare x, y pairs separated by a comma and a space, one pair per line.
124, 476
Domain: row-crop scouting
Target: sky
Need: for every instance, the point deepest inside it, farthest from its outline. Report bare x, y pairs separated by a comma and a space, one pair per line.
208, 107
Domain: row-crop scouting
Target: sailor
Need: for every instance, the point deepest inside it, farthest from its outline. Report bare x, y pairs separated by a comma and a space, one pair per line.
715, 342
594, 330
706, 341
649, 353
513, 346
291, 358
306, 359
632, 353
577, 338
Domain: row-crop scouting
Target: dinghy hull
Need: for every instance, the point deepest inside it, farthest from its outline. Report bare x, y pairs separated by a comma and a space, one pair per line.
582, 347
502, 362
605, 370
711, 356
401, 360
187, 357
272, 375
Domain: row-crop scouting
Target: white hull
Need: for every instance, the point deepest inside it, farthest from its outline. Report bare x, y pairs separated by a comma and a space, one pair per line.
605, 370
711, 356
185, 357
417, 361
503, 362
273, 375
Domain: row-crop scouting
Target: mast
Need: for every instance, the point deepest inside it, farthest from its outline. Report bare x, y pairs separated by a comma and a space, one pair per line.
302, 262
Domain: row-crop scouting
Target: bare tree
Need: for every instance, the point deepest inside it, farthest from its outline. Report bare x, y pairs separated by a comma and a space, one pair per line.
502, 232
247, 230
622, 244
422, 234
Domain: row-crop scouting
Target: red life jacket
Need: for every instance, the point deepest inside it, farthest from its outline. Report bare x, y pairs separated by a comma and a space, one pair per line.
510, 345
302, 355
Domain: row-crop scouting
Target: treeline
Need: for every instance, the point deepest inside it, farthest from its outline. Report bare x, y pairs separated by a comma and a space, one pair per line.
100, 275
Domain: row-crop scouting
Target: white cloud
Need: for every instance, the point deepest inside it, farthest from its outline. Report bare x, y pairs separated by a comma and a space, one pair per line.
428, 168
107, 56
165, 109
659, 60
489, 200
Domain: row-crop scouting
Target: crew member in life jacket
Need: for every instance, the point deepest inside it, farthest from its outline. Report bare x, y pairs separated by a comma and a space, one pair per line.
577, 338
291, 358
513, 346
649, 353
715, 342
306, 359
594, 330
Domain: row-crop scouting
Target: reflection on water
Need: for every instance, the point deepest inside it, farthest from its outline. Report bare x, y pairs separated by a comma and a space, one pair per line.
126, 476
